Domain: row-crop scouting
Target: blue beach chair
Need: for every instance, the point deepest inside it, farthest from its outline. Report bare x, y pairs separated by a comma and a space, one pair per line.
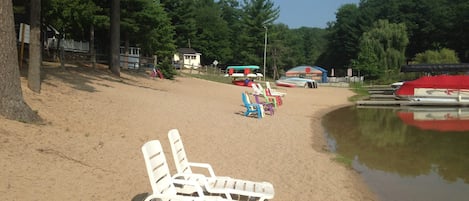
252, 107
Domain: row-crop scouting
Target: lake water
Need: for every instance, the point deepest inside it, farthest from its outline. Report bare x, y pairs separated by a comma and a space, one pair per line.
412, 154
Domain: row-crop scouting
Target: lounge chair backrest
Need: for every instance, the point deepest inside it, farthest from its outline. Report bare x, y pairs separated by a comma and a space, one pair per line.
251, 107
271, 91
246, 100
256, 89
213, 184
267, 85
157, 168
179, 154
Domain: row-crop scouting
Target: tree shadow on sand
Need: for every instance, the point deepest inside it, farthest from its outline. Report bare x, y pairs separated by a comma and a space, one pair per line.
83, 77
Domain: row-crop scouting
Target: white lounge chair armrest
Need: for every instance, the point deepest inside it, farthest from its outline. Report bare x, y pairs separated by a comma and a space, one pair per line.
189, 176
191, 183
204, 165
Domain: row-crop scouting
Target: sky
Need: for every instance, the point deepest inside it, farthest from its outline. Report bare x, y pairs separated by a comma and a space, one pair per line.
308, 13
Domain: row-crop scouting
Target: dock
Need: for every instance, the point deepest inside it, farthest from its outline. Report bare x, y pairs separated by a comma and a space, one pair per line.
382, 91
382, 96
385, 97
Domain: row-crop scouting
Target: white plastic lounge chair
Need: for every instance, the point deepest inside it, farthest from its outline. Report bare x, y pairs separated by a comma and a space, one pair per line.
213, 183
162, 184
255, 90
267, 93
273, 91
259, 92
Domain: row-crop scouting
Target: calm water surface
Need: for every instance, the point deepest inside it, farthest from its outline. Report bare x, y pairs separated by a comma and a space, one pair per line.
405, 154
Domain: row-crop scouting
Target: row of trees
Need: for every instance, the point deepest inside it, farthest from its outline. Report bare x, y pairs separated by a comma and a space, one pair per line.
378, 36
375, 36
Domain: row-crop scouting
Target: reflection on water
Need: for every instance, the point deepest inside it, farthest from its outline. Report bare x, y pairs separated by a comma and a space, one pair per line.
438, 119
402, 161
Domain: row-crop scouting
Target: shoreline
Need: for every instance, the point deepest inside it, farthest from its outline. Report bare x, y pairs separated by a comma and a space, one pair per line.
323, 146
89, 147
359, 183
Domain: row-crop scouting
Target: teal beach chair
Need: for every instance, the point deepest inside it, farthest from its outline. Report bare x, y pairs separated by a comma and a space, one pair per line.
252, 107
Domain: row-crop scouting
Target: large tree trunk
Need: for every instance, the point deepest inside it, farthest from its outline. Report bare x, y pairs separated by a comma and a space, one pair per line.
115, 37
34, 69
12, 105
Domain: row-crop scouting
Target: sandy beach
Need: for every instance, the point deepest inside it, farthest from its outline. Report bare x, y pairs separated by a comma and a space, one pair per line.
95, 124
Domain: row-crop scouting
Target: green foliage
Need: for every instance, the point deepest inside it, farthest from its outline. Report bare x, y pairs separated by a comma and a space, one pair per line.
144, 23
382, 50
212, 36
344, 160
368, 61
182, 14
72, 17
284, 49
256, 18
443, 56
343, 38
167, 69
231, 14
459, 40
360, 91
304, 45
430, 24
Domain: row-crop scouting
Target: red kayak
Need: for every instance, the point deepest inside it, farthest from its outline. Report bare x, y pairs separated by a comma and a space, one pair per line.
243, 83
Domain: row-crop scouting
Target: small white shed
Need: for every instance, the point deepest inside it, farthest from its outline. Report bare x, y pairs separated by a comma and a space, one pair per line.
188, 58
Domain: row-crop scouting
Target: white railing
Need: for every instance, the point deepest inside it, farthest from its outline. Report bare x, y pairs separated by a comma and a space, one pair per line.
345, 79
69, 45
